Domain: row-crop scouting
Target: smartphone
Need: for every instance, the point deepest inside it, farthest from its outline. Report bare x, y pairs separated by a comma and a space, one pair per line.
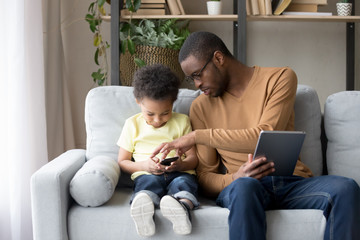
168, 161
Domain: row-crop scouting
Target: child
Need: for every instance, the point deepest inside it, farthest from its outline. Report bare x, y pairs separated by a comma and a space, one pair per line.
155, 90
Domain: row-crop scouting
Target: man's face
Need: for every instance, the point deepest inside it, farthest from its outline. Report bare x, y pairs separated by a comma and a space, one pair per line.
205, 75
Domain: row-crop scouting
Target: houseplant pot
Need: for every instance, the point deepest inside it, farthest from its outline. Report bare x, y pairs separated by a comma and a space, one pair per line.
150, 55
146, 42
214, 7
344, 8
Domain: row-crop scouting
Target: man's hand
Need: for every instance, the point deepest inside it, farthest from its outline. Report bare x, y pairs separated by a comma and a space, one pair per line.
181, 145
257, 168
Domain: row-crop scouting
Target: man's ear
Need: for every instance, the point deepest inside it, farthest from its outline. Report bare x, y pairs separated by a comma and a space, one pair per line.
219, 58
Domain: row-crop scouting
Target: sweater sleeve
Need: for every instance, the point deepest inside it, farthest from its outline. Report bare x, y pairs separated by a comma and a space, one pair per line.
210, 180
277, 111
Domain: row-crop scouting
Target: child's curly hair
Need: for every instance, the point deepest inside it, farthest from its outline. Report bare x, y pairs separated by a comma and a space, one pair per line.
156, 82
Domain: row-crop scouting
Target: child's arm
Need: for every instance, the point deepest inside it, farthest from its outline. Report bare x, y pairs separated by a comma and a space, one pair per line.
151, 165
190, 162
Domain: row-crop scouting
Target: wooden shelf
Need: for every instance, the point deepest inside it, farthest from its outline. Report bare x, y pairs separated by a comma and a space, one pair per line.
234, 17
305, 18
203, 17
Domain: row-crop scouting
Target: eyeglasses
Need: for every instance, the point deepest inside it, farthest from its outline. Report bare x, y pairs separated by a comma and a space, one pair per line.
196, 76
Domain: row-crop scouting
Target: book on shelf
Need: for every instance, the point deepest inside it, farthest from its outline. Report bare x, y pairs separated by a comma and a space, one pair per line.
281, 6
295, 7
261, 4
307, 13
317, 2
268, 8
152, 5
153, 1
181, 7
254, 7
258, 7
248, 8
173, 7
144, 11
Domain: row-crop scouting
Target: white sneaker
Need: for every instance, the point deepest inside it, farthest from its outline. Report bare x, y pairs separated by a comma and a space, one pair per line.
178, 214
142, 212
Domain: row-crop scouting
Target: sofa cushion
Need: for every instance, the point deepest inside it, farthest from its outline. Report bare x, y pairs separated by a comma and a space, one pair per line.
308, 119
342, 120
95, 182
112, 221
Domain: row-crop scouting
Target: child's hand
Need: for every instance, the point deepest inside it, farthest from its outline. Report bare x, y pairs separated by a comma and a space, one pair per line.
153, 166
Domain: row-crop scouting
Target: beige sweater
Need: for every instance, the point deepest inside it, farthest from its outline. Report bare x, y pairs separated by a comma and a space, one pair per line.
230, 126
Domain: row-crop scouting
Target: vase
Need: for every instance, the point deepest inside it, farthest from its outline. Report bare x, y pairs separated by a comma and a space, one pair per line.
343, 9
214, 7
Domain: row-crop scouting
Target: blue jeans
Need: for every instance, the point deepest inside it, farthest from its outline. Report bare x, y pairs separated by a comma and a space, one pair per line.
178, 184
248, 198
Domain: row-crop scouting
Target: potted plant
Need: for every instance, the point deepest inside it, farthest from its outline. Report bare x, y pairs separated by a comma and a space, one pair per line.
151, 41
142, 42
214, 7
344, 8
93, 17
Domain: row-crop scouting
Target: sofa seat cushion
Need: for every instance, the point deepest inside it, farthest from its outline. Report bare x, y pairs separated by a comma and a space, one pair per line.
112, 221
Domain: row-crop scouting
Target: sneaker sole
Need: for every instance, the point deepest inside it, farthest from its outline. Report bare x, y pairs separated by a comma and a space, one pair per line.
174, 211
142, 212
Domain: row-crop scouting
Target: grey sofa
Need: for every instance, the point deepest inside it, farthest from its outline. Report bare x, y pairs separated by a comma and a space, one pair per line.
53, 187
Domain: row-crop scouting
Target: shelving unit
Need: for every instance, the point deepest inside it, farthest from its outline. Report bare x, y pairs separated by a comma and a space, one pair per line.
239, 29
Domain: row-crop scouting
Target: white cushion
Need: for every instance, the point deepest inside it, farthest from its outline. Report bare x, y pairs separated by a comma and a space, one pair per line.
342, 120
95, 183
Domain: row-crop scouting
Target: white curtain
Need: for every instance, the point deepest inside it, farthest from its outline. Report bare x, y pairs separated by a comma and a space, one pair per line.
23, 145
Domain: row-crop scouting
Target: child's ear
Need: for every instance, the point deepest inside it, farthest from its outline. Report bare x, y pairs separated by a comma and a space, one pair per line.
137, 101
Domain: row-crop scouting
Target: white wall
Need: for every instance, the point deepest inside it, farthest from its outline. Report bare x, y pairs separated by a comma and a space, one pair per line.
315, 50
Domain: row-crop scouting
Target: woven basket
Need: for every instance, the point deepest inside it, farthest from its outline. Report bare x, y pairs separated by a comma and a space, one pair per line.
150, 55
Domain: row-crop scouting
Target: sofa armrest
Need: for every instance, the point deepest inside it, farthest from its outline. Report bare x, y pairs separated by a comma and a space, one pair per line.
50, 197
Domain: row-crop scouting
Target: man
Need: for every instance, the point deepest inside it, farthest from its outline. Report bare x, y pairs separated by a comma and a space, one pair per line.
238, 102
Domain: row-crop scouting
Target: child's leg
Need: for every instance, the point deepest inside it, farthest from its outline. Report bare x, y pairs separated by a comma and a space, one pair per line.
177, 212
147, 189
142, 212
176, 208
153, 185
184, 187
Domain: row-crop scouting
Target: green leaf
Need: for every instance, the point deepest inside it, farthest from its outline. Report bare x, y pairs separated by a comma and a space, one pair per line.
131, 46
100, 2
92, 27
96, 57
97, 75
91, 6
89, 18
123, 46
139, 62
137, 4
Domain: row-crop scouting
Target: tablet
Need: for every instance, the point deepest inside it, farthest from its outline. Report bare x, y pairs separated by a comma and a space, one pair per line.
281, 147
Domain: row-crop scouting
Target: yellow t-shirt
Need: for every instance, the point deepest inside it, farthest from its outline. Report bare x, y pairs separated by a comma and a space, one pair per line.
141, 139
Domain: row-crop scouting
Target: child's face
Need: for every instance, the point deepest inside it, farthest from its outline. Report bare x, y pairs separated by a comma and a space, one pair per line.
156, 112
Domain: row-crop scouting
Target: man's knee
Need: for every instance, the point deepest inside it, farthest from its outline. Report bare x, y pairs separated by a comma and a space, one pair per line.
245, 186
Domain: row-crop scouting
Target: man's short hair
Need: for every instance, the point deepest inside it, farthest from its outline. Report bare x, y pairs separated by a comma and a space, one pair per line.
156, 82
201, 45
